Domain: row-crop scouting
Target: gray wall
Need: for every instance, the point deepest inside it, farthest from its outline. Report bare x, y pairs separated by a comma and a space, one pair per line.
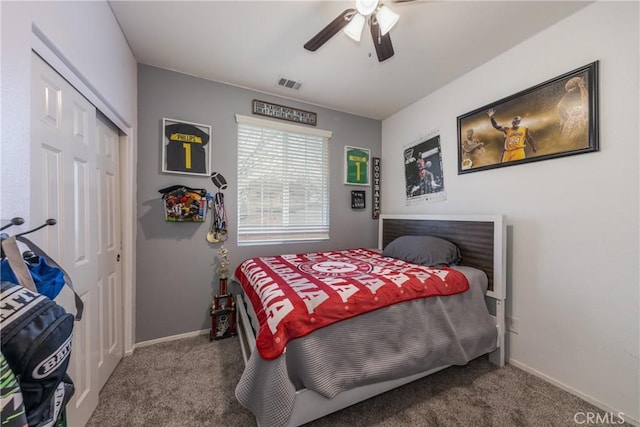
175, 264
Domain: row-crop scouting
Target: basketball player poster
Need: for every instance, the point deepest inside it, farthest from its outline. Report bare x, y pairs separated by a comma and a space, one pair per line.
553, 119
424, 180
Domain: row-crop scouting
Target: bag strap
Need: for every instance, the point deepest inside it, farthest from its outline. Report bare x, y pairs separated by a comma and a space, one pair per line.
39, 252
12, 253
67, 280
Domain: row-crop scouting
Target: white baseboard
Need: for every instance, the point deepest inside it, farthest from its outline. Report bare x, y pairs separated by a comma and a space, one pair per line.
167, 339
573, 391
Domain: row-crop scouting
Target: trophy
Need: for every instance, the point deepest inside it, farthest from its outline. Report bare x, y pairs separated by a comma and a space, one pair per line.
223, 321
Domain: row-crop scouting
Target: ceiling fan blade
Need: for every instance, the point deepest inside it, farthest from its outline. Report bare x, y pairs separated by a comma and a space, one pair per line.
383, 45
330, 30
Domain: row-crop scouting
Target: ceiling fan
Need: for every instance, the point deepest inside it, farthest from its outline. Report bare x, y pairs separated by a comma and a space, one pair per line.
379, 17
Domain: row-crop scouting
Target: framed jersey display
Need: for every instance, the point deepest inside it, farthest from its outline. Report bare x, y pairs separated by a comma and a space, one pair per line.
553, 119
186, 147
356, 165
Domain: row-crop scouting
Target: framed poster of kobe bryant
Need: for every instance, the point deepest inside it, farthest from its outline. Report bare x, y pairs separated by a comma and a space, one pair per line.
553, 119
186, 147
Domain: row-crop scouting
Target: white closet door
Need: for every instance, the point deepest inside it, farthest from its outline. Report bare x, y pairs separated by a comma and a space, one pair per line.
109, 245
66, 184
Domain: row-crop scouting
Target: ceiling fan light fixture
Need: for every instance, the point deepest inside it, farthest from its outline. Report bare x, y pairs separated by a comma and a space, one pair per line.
366, 7
387, 18
355, 26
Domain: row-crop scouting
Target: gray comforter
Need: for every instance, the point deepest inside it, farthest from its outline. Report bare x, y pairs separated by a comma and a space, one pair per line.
393, 342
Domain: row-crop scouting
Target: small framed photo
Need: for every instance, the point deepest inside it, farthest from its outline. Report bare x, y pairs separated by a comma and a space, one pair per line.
186, 147
358, 199
357, 164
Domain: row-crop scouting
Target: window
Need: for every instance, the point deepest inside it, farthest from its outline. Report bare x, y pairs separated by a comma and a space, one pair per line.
283, 182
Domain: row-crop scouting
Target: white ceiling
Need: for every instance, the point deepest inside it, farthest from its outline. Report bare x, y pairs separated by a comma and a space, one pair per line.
253, 43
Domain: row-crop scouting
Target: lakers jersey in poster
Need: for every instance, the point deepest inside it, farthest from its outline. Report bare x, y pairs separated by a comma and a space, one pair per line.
514, 143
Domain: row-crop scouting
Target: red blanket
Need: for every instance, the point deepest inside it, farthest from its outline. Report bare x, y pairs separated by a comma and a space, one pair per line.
293, 295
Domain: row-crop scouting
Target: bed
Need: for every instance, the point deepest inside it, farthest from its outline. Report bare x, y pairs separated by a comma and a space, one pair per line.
351, 360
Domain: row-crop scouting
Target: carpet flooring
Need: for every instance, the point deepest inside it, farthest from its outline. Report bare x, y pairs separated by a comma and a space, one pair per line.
191, 382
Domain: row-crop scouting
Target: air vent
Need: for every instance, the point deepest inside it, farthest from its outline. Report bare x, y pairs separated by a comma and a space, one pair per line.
289, 84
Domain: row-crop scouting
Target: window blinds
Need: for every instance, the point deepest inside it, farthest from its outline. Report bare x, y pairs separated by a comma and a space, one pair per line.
283, 182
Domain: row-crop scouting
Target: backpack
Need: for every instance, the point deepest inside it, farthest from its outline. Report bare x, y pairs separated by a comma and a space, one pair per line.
36, 342
13, 414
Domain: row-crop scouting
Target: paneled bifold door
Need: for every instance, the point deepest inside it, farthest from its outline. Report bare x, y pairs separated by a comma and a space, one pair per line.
75, 180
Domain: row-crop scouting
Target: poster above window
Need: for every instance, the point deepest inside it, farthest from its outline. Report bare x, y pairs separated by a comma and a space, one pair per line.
186, 147
281, 112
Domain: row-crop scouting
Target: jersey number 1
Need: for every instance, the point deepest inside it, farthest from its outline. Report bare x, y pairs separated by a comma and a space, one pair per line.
187, 155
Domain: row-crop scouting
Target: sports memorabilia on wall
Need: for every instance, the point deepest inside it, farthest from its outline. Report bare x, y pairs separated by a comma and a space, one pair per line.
375, 213
356, 165
358, 200
186, 147
424, 180
553, 119
184, 204
218, 231
281, 112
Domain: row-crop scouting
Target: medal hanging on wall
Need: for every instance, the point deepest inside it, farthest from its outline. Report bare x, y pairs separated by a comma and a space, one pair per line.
218, 231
